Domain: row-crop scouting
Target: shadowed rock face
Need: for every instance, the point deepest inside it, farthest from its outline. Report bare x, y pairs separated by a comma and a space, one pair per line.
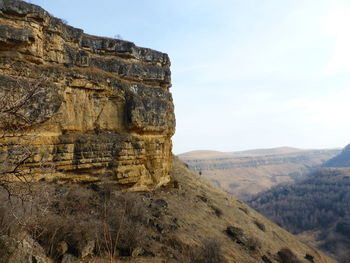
99, 106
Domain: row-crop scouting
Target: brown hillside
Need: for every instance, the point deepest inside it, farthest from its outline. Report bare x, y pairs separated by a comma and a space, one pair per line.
247, 173
189, 221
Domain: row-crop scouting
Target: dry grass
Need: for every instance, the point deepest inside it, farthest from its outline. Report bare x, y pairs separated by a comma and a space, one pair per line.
79, 217
287, 256
168, 225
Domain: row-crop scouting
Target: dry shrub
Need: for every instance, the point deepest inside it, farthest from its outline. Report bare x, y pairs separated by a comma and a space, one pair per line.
260, 225
244, 209
54, 229
253, 243
211, 252
77, 215
8, 214
16, 212
310, 258
218, 211
287, 256
124, 220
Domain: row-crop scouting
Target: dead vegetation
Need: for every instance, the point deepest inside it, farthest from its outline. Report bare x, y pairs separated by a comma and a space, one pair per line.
23, 105
87, 222
184, 222
77, 220
210, 252
287, 256
96, 221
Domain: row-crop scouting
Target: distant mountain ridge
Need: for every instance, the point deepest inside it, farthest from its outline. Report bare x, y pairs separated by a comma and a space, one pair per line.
271, 151
246, 173
341, 160
212, 153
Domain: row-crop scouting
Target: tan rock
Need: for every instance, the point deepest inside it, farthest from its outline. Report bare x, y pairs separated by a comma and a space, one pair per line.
88, 249
100, 106
62, 248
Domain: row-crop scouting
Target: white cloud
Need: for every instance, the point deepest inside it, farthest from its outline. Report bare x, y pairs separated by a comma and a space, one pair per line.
336, 24
327, 111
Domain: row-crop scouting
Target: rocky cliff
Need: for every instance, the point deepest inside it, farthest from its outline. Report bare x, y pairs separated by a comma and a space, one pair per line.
80, 107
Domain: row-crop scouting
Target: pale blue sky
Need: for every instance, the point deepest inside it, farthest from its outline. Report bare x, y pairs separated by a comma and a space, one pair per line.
246, 73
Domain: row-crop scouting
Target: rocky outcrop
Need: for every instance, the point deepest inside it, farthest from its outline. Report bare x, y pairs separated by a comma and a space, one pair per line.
21, 249
82, 106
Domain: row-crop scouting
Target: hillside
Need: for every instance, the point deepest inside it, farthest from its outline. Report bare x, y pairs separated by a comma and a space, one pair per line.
341, 160
190, 220
86, 167
269, 151
247, 173
316, 208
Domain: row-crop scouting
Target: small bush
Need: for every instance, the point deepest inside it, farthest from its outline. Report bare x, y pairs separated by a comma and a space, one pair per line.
253, 243
124, 219
80, 217
266, 259
218, 212
309, 258
236, 234
287, 256
245, 210
260, 225
211, 252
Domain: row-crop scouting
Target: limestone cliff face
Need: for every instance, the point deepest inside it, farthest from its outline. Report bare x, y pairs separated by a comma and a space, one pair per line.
98, 106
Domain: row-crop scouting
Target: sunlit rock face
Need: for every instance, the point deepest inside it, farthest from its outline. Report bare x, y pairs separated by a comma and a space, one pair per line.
99, 107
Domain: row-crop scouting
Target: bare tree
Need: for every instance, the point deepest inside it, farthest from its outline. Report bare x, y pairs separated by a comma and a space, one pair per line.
23, 105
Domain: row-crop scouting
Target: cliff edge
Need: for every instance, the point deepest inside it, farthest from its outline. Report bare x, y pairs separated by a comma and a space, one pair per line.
81, 107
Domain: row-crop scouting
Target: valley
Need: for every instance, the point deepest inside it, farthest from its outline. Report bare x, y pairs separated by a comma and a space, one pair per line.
88, 175
246, 173
316, 209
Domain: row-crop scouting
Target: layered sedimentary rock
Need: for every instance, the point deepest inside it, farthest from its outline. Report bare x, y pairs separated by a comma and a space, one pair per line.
81, 107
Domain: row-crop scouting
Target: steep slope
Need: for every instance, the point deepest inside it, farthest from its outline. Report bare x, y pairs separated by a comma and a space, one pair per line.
316, 208
341, 160
76, 107
250, 172
189, 221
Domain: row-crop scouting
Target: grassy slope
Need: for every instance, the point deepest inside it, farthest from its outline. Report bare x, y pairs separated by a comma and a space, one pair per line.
170, 224
194, 204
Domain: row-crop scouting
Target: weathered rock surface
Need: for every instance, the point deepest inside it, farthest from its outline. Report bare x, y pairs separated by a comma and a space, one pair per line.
21, 249
96, 106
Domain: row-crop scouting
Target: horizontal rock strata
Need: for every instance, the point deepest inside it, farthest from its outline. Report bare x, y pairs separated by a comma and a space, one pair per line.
80, 107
